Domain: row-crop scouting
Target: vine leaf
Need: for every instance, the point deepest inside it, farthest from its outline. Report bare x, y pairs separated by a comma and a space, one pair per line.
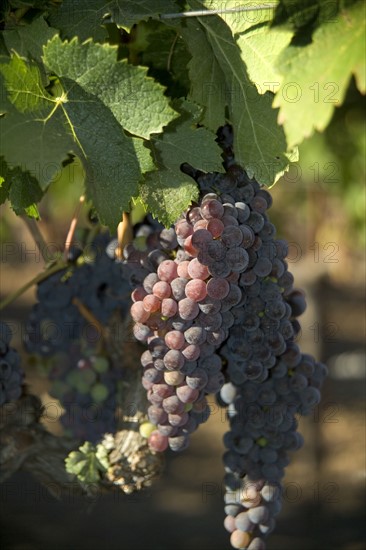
208, 85
259, 142
168, 192
126, 13
24, 85
32, 127
84, 18
136, 100
109, 158
88, 462
39, 130
27, 41
305, 15
21, 189
260, 47
316, 76
239, 21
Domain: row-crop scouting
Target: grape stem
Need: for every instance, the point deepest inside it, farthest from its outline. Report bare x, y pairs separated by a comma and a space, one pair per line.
124, 234
87, 314
200, 13
39, 278
37, 236
73, 224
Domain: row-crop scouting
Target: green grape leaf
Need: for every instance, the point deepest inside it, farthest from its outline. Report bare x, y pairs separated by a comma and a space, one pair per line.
24, 85
88, 463
32, 126
84, 18
316, 76
24, 193
109, 158
143, 153
240, 21
208, 85
165, 52
22, 190
259, 143
301, 14
126, 13
46, 129
183, 141
136, 100
168, 192
260, 46
27, 41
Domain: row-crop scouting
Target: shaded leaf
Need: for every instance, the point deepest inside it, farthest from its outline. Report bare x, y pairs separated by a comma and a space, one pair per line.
28, 40
108, 155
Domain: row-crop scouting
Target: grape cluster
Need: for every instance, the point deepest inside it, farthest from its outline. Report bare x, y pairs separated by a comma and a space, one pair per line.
182, 310
73, 306
268, 379
86, 385
95, 283
11, 373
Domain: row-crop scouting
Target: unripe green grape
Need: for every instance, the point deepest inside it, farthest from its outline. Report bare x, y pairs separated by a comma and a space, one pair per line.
99, 392
100, 364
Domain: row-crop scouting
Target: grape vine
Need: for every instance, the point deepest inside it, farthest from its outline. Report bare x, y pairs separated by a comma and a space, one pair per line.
175, 286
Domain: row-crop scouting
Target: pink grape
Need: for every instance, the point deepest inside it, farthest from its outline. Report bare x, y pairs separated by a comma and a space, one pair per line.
162, 390
167, 270
174, 339
162, 290
187, 394
191, 352
201, 224
196, 270
151, 303
138, 313
196, 290
182, 269
158, 442
189, 248
169, 307
138, 294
